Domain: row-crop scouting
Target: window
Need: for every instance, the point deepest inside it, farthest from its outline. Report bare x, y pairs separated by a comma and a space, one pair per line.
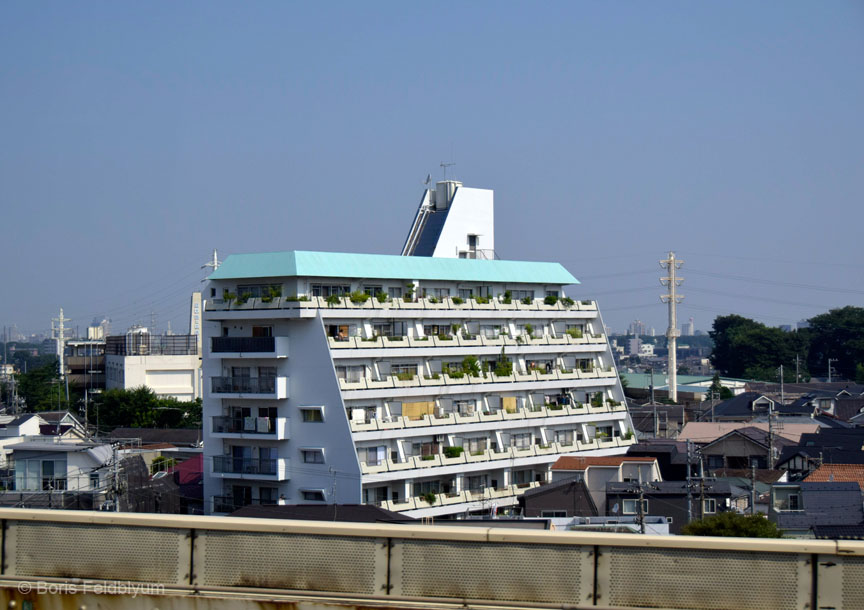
268, 495
259, 290
441, 293
351, 374
709, 506
312, 416
553, 513
522, 294
395, 293
466, 293
426, 487
375, 455
312, 456
477, 482
94, 480
372, 290
313, 495
326, 290
476, 445
262, 331
631, 507
521, 440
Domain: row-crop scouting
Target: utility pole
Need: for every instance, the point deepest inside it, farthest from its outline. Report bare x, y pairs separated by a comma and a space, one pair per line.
830, 360
782, 395
116, 482
689, 488
752, 488
672, 333
797, 369
652, 385
59, 332
641, 508
770, 437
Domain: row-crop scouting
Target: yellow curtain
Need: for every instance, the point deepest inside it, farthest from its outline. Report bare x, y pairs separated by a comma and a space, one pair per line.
416, 410
509, 403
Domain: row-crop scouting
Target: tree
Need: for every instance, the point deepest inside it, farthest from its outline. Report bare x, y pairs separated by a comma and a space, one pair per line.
142, 408
732, 524
719, 389
859, 373
746, 348
837, 334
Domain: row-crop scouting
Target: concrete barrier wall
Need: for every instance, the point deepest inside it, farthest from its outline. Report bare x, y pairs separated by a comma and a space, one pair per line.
198, 562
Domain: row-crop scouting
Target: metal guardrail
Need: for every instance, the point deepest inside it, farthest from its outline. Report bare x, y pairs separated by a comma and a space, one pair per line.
201, 561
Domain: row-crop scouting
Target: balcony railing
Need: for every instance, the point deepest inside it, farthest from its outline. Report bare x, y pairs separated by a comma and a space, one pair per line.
263, 387
228, 504
243, 344
276, 427
232, 465
421, 303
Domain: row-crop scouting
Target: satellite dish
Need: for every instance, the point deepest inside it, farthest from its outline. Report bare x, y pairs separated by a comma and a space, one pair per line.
615, 509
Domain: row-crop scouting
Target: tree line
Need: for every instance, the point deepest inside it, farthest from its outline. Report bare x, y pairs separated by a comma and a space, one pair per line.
748, 349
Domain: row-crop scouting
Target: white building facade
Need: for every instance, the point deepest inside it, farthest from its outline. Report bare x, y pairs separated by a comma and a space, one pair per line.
170, 365
432, 386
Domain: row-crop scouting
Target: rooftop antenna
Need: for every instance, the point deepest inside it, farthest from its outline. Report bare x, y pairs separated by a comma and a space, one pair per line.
445, 166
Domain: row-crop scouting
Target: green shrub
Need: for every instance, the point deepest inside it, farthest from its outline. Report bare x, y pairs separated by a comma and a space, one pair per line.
575, 333
358, 297
381, 296
550, 299
458, 300
333, 299
526, 300
567, 302
406, 376
481, 300
429, 498
453, 452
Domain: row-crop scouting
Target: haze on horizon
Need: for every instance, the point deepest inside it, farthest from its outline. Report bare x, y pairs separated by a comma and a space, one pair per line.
139, 137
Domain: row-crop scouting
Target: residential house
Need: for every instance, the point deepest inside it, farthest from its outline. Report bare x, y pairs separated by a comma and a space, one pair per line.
798, 508
568, 497
597, 471
669, 499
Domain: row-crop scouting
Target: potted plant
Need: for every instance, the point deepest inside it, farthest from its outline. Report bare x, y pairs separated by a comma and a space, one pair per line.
458, 300
381, 296
550, 299
508, 297
526, 300
429, 497
358, 297
333, 299
567, 302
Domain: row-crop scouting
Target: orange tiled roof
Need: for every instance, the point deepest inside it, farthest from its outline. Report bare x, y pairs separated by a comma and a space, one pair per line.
841, 473
570, 462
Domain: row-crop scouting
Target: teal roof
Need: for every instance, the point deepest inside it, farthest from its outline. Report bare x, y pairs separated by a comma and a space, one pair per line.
382, 266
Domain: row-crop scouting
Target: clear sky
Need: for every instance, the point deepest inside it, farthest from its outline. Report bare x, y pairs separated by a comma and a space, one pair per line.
136, 137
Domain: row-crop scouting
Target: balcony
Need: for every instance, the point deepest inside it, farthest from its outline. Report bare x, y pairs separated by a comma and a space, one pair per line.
275, 428
249, 347
229, 467
228, 504
250, 387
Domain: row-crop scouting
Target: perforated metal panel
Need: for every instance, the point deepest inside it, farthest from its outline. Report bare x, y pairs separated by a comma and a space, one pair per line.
853, 581
490, 571
291, 561
703, 580
106, 552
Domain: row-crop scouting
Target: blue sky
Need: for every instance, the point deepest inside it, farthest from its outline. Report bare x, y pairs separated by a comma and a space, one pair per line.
137, 137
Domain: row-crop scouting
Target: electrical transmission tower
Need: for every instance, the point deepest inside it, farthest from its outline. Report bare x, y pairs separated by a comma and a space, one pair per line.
672, 333
59, 333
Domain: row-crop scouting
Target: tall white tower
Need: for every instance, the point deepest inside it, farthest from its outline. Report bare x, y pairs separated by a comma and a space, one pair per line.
672, 333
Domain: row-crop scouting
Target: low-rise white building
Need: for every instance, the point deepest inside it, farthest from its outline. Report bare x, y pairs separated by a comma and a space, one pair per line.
170, 365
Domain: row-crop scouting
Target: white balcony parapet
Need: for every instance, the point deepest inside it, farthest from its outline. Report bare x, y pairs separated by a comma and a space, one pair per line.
249, 387
359, 384
396, 342
340, 343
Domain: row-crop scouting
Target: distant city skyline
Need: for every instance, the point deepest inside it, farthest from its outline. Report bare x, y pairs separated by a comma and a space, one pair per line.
136, 139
